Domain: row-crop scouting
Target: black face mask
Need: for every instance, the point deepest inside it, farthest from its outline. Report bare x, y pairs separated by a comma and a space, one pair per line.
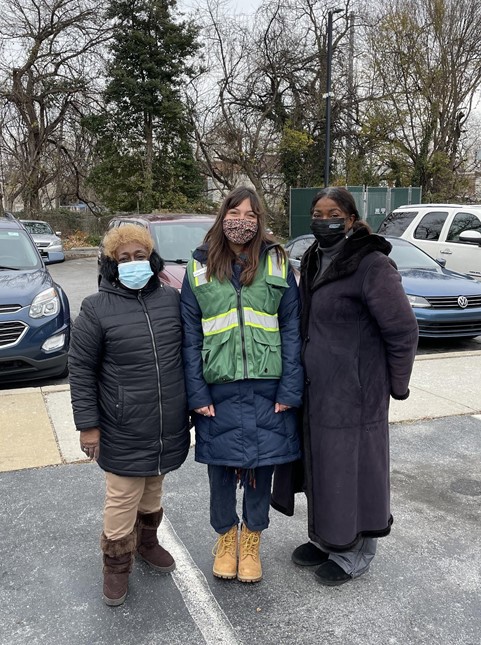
328, 231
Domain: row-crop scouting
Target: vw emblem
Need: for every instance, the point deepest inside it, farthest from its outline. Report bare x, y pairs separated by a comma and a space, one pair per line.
463, 302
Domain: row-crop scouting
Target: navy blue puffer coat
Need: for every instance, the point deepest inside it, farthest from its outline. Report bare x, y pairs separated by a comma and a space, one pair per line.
126, 377
245, 432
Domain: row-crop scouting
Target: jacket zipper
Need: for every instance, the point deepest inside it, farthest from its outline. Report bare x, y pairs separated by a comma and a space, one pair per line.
241, 321
158, 376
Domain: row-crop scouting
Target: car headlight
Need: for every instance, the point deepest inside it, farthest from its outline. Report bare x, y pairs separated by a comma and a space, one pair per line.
418, 301
47, 303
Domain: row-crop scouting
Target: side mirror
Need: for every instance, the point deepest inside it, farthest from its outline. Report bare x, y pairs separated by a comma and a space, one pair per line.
470, 237
58, 233
441, 262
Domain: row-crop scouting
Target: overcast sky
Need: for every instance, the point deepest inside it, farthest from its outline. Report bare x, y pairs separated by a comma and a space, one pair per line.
234, 6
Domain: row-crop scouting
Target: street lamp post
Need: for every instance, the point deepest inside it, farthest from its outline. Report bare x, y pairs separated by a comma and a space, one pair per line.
327, 95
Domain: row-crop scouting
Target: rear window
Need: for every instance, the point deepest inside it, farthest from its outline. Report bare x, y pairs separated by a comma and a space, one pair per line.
396, 223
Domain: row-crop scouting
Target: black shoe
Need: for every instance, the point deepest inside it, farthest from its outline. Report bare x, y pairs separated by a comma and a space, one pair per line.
309, 555
331, 574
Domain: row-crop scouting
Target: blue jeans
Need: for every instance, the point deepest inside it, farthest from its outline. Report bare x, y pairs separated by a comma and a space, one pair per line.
223, 500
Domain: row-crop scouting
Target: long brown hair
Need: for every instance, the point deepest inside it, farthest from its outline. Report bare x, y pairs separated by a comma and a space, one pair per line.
220, 256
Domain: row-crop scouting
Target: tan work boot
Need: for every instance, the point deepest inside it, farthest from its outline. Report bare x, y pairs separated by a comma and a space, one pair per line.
249, 568
225, 551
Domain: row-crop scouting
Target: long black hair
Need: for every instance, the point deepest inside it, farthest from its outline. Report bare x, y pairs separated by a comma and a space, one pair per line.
341, 196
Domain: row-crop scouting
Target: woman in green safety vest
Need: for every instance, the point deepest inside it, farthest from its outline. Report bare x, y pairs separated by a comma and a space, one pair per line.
244, 379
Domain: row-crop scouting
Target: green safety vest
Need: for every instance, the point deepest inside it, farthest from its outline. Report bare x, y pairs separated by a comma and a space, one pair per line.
241, 328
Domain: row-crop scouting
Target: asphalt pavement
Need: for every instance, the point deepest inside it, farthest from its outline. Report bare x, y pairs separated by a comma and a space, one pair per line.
424, 586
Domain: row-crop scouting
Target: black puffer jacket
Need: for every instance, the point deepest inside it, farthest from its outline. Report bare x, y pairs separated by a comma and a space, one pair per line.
126, 378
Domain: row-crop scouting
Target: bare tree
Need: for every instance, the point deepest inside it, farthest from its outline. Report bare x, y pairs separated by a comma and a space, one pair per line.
48, 67
427, 61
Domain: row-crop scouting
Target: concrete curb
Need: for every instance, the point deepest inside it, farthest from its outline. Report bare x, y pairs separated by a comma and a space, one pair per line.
84, 252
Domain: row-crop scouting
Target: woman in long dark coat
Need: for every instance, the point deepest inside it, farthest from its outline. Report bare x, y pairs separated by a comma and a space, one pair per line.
359, 342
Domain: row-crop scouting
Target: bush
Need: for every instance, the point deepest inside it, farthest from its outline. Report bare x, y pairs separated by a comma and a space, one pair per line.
80, 239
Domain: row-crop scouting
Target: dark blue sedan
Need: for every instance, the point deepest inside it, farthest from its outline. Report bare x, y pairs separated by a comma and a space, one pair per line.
34, 311
446, 304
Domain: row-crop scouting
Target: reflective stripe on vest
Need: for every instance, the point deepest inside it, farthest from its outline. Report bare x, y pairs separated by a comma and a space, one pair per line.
220, 323
273, 266
199, 273
261, 320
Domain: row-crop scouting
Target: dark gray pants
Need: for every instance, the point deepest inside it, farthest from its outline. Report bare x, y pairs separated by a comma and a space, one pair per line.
357, 561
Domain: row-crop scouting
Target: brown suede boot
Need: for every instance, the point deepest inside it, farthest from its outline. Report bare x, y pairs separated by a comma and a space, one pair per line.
118, 558
148, 547
249, 569
225, 552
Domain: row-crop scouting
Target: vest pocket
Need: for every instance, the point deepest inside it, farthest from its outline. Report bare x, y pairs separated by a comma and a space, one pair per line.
266, 352
218, 363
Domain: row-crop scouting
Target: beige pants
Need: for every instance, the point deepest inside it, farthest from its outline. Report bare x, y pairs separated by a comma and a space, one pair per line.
124, 497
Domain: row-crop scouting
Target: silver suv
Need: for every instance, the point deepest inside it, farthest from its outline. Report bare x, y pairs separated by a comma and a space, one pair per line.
43, 236
447, 232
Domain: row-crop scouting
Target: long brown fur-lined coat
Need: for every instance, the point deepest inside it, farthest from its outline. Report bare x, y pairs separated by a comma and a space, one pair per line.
360, 337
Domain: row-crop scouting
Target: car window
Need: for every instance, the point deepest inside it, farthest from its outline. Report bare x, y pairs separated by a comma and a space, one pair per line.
175, 241
396, 223
297, 250
429, 228
17, 251
408, 256
463, 222
38, 228
125, 223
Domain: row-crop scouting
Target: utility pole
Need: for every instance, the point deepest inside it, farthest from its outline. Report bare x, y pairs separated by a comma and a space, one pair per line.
350, 89
327, 95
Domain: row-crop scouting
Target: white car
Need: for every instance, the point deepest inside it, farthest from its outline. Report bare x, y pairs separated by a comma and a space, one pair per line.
450, 232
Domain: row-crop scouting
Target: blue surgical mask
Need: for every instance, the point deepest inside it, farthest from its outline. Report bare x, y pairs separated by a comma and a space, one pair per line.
136, 274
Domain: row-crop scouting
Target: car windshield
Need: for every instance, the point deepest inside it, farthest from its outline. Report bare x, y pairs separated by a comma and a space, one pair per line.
408, 256
175, 241
38, 228
17, 251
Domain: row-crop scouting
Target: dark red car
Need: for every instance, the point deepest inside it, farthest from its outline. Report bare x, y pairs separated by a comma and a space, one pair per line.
175, 236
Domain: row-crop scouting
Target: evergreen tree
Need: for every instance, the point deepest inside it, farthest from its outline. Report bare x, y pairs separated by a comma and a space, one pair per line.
145, 157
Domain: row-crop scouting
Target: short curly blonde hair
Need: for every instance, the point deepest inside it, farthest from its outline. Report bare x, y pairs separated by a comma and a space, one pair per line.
124, 235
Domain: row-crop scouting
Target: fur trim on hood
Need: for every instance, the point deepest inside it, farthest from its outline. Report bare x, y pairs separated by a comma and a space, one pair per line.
109, 268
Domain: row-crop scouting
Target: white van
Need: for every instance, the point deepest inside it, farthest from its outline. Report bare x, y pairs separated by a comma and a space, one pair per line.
449, 232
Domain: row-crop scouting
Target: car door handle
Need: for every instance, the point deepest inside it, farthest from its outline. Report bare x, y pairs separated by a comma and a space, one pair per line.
446, 252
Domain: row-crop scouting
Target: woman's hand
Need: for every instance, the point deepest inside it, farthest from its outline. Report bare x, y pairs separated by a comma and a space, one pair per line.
89, 442
280, 407
206, 411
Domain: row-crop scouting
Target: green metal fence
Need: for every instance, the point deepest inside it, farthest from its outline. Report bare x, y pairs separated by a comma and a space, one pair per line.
373, 204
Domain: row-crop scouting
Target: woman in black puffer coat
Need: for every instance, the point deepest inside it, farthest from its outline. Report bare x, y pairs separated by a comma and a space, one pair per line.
128, 399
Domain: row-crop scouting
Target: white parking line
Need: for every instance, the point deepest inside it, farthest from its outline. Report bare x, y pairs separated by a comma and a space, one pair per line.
192, 584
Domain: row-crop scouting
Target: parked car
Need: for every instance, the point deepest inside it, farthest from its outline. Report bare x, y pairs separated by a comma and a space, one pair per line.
450, 231
44, 237
34, 310
446, 304
175, 236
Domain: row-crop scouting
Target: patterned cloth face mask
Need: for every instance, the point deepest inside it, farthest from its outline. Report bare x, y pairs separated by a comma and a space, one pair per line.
239, 231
